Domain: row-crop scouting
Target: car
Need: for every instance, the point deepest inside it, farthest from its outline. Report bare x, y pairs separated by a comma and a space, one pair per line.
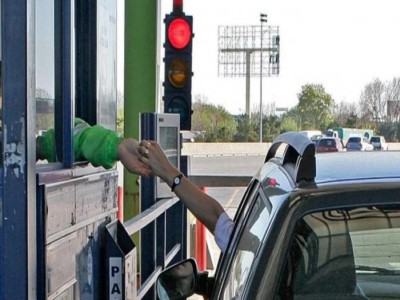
379, 143
329, 144
358, 143
316, 138
187, 136
310, 133
309, 226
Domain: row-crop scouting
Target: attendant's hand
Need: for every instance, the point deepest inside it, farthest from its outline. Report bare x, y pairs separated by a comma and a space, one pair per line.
128, 154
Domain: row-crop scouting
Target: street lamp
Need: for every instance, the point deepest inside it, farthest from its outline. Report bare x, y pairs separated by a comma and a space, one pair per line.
263, 19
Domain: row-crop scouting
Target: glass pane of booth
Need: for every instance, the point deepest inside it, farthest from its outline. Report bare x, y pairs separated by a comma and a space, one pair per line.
45, 67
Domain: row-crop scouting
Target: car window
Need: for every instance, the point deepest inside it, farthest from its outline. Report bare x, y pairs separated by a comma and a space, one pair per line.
375, 139
246, 249
276, 182
352, 252
355, 139
327, 142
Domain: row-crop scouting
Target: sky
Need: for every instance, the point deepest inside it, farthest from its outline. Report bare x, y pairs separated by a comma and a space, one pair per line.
341, 44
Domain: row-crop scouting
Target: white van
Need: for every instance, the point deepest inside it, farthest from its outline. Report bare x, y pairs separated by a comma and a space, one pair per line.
311, 133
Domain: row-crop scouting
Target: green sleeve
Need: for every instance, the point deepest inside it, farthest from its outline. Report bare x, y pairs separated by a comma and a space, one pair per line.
47, 146
98, 145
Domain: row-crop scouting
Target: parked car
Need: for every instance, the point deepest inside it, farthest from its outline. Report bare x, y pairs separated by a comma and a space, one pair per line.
329, 144
309, 226
379, 143
357, 143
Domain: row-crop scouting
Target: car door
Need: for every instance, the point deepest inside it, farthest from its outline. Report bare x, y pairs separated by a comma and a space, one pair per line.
251, 226
224, 278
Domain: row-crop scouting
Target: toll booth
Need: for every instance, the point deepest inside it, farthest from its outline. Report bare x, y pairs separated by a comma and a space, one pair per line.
59, 233
58, 62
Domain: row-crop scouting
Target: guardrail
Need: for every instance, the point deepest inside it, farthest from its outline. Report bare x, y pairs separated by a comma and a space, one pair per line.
236, 149
212, 149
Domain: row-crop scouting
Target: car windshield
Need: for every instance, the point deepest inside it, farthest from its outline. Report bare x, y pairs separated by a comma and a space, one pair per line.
375, 139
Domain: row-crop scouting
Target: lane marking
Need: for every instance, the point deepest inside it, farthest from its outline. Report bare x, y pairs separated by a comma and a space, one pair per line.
232, 198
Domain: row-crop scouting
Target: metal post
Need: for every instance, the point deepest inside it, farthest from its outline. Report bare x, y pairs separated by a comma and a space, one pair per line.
248, 53
201, 242
263, 18
261, 76
120, 214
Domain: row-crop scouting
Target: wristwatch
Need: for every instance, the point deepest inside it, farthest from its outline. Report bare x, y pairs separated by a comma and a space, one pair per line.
176, 181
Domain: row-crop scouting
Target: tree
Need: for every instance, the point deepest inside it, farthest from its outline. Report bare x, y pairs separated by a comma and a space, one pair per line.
271, 127
246, 129
289, 123
393, 100
373, 103
389, 130
291, 120
214, 121
345, 115
315, 107
270, 123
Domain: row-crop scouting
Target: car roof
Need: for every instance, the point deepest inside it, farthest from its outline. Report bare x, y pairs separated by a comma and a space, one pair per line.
357, 165
306, 167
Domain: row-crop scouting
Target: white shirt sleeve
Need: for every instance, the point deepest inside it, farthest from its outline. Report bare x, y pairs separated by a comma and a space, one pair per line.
223, 230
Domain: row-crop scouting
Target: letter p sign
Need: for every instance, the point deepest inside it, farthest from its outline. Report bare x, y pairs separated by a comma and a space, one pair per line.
115, 279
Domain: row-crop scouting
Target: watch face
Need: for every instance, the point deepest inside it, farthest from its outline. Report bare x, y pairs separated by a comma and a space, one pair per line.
177, 180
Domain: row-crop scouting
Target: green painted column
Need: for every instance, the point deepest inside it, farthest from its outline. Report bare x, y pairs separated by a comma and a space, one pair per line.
140, 81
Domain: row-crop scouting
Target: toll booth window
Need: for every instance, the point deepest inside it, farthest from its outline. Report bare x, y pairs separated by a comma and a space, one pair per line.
45, 68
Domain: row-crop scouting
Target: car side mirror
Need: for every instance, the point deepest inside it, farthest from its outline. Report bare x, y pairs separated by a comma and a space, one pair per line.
178, 281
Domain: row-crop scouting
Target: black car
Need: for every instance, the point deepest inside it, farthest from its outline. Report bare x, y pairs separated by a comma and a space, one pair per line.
309, 226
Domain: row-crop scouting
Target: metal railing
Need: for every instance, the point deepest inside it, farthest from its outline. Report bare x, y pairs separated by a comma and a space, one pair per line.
158, 213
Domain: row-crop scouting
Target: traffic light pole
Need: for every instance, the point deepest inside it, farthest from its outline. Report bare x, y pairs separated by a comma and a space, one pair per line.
177, 7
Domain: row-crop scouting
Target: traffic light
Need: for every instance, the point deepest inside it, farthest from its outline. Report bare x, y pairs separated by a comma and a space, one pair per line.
178, 67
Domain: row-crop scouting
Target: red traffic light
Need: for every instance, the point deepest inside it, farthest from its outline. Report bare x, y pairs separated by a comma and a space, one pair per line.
179, 33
